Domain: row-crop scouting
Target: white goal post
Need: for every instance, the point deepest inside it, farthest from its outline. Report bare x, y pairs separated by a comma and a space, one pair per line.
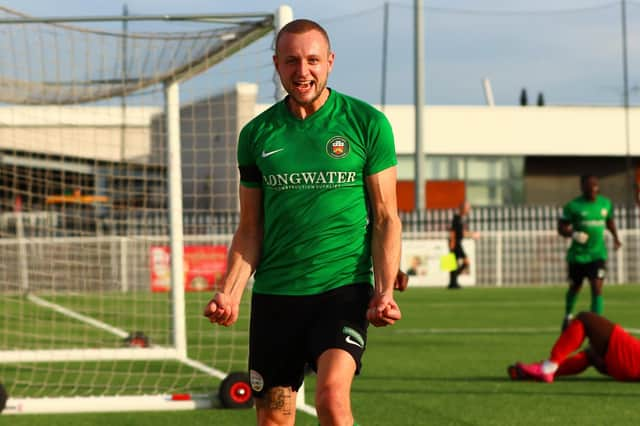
117, 203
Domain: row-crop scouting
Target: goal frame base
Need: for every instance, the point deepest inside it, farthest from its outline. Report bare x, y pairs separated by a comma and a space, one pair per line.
112, 404
105, 404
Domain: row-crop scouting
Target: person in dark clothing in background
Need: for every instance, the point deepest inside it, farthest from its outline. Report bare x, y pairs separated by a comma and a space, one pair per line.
457, 232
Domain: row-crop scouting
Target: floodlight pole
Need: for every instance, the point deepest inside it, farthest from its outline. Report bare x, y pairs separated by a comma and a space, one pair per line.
419, 71
385, 42
630, 186
123, 98
283, 15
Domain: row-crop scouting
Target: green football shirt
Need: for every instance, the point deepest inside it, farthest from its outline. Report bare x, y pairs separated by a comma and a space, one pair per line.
312, 174
589, 217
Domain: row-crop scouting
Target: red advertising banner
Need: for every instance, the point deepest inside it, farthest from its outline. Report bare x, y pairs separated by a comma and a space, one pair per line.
204, 266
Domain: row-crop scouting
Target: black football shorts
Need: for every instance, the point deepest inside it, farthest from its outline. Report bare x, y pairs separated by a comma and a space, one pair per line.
592, 270
288, 333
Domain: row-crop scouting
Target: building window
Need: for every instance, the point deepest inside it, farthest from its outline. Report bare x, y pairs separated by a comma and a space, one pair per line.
488, 180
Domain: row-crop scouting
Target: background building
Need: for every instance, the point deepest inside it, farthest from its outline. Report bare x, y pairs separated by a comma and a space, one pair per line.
493, 156
518, 155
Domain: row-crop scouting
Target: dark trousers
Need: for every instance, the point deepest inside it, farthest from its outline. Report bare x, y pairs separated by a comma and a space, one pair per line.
453, 275
453, 278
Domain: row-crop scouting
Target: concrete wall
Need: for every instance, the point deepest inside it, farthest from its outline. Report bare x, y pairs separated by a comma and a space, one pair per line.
549, 130
555, 180
93, 133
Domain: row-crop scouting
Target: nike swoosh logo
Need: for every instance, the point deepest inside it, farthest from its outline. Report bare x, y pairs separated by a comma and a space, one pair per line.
351, 340
270, 153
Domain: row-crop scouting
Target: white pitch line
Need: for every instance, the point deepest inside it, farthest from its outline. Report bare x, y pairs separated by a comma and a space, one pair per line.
475, 330
80, 317
506, 330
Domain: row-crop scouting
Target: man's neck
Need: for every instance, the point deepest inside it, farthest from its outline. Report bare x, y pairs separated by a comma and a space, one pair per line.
302, 111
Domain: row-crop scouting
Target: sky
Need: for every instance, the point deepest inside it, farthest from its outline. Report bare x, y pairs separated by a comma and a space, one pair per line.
570, 52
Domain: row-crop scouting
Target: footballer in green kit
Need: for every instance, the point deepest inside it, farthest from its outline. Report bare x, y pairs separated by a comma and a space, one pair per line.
320, 231
584, 220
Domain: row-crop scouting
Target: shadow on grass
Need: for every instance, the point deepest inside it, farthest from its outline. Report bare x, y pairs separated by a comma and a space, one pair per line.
493, 379
437, 385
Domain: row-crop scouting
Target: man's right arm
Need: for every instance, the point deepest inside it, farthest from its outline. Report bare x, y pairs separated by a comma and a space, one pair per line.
565, 228
454, 228
452, 240
243, 258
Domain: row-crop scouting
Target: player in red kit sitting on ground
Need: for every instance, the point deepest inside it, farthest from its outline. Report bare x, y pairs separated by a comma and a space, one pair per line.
612, 351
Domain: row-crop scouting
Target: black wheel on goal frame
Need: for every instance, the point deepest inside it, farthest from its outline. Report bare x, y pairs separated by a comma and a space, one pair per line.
235, 391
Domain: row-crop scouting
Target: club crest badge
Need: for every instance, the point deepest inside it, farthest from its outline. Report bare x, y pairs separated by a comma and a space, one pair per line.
338, 147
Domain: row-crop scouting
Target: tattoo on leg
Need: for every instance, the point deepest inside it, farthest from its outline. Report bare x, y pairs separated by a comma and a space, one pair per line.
279, 399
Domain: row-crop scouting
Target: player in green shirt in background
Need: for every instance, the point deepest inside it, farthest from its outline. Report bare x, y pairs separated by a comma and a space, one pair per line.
584, 220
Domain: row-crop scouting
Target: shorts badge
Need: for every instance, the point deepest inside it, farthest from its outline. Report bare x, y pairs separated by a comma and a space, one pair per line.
257, 382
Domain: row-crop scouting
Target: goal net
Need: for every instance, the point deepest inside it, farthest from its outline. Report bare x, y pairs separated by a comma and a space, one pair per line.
117, 202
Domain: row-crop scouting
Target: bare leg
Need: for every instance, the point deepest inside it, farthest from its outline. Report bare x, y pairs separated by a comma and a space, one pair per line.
598, 330
587, 325
575, 286
336, 369
464, 266
596, 286
277, 407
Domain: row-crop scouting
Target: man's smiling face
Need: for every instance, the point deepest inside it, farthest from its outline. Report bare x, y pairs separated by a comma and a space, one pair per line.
303, 62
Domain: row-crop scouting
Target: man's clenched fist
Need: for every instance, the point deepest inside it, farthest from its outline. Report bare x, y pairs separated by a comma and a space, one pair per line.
402, 281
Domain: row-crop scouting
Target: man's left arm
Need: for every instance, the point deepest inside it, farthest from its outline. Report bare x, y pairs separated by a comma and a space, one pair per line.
611, 226
385, 245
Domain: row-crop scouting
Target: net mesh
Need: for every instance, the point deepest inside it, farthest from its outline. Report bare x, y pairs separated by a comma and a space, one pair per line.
72, 65
85, 307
